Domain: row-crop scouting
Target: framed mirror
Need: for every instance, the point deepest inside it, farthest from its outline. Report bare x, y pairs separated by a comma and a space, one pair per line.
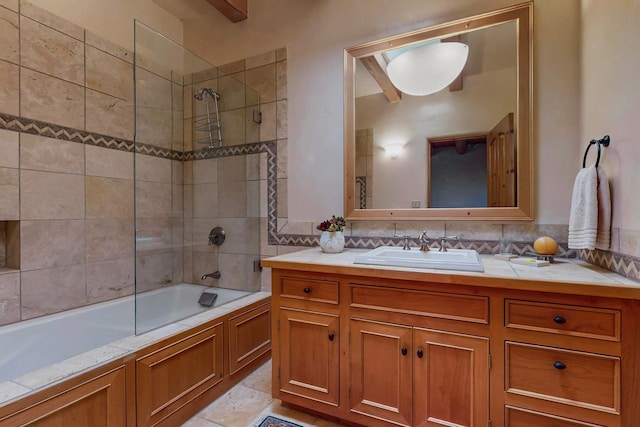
462, 152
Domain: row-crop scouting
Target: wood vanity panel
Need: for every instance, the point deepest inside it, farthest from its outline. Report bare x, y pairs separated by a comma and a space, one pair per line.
249, 337
309, 355
587, 380
588, 322
309, 290
97, 402
467, 308
451, 379
174, 374
381, 371
517, 417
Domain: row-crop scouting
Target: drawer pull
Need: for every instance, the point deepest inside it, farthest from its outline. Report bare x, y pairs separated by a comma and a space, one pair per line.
332, 336
420, 354
404, 351
559, 365
306, 290
559, 320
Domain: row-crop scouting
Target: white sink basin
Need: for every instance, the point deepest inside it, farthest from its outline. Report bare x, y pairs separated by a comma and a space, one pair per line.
453, 259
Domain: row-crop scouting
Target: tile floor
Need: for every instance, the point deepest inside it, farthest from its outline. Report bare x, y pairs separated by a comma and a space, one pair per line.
246, 404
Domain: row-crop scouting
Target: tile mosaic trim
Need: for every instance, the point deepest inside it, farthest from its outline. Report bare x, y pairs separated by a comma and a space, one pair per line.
36, 127
362, 180
624, 265
356, 242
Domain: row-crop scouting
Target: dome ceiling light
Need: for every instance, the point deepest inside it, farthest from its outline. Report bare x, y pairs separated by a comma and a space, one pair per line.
428, 69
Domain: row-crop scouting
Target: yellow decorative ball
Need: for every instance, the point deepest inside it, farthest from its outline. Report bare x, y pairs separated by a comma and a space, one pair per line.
545, 246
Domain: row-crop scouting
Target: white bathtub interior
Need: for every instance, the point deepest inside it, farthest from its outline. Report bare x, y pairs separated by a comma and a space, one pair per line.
33, 344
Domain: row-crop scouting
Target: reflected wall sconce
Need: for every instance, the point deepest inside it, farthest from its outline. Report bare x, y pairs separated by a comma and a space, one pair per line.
393, 149
428, 69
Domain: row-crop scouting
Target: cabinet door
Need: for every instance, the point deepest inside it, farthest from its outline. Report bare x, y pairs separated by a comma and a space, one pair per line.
381, 371
451, 373
309, 355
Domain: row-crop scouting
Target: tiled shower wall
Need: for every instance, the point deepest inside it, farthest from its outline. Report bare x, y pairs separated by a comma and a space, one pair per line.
67, 170
72, 203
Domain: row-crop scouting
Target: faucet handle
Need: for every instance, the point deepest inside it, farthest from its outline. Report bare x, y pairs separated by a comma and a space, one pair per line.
405, 244
448, 238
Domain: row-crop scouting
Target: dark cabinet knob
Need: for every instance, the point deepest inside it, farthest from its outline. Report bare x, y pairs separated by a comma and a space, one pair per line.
420, 354
559, 320
306, 290
331, 336
559, 365
404, 351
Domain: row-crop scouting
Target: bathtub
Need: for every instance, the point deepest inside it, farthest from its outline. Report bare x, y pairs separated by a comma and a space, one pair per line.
33, 344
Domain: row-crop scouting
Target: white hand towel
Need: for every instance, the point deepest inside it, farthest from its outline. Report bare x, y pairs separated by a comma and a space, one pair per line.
603, 236
583, 219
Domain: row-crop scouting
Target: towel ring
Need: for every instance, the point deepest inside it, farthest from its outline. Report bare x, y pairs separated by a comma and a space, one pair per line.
604, 141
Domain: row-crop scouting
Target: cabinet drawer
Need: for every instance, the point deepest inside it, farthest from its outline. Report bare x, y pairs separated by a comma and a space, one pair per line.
468, 308
310, 290
564, 319
576, 378
516, 417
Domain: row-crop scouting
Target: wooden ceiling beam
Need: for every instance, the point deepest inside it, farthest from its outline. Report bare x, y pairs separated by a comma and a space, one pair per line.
372, 64
457, 83
234, 10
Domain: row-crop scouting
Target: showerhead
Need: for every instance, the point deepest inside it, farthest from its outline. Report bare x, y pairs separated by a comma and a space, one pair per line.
212, 93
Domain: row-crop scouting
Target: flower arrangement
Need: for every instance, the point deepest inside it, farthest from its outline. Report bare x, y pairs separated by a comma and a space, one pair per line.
335, 223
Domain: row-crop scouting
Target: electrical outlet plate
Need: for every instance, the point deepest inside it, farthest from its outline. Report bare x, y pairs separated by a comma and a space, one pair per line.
415, 204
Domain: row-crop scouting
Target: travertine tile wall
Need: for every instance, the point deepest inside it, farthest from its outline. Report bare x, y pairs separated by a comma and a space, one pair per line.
230, 192
74, 202
71, 205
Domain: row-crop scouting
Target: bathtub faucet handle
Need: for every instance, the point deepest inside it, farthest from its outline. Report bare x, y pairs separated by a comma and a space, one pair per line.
215, 275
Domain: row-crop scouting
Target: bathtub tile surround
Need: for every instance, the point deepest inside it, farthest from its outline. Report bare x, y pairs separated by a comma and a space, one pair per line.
84, 192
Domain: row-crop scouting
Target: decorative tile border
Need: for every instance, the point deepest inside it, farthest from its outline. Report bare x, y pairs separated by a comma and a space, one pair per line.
625, 265
362, 180
356, 242
36, 127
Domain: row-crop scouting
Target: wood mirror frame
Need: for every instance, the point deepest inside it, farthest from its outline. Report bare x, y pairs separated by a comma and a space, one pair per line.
524, 209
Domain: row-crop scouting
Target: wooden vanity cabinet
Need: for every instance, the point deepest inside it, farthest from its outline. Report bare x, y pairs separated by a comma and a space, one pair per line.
381, 348
378, 355
413, 376
307, 347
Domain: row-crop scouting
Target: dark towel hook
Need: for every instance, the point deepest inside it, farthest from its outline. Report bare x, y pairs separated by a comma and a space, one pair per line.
604, 141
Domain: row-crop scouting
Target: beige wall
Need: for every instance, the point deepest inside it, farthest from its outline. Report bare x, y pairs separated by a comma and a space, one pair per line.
316, 33
113, 19
611, 103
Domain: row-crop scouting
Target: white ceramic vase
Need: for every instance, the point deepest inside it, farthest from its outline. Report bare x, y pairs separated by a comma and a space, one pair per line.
332, 241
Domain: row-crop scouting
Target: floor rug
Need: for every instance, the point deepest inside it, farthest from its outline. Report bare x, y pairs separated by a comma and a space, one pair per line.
276, 422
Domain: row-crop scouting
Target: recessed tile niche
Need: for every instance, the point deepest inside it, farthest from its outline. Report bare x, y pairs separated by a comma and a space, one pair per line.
10, 245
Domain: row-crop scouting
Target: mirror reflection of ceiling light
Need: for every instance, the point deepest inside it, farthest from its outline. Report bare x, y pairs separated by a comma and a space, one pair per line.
428, 69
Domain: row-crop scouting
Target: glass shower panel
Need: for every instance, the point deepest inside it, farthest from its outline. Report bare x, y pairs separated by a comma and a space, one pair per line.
191, 177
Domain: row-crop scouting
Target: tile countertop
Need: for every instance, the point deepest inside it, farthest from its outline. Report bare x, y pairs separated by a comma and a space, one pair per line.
569, 276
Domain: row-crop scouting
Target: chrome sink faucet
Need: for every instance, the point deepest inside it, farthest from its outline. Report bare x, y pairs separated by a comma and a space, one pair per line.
424, 241
443, 242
